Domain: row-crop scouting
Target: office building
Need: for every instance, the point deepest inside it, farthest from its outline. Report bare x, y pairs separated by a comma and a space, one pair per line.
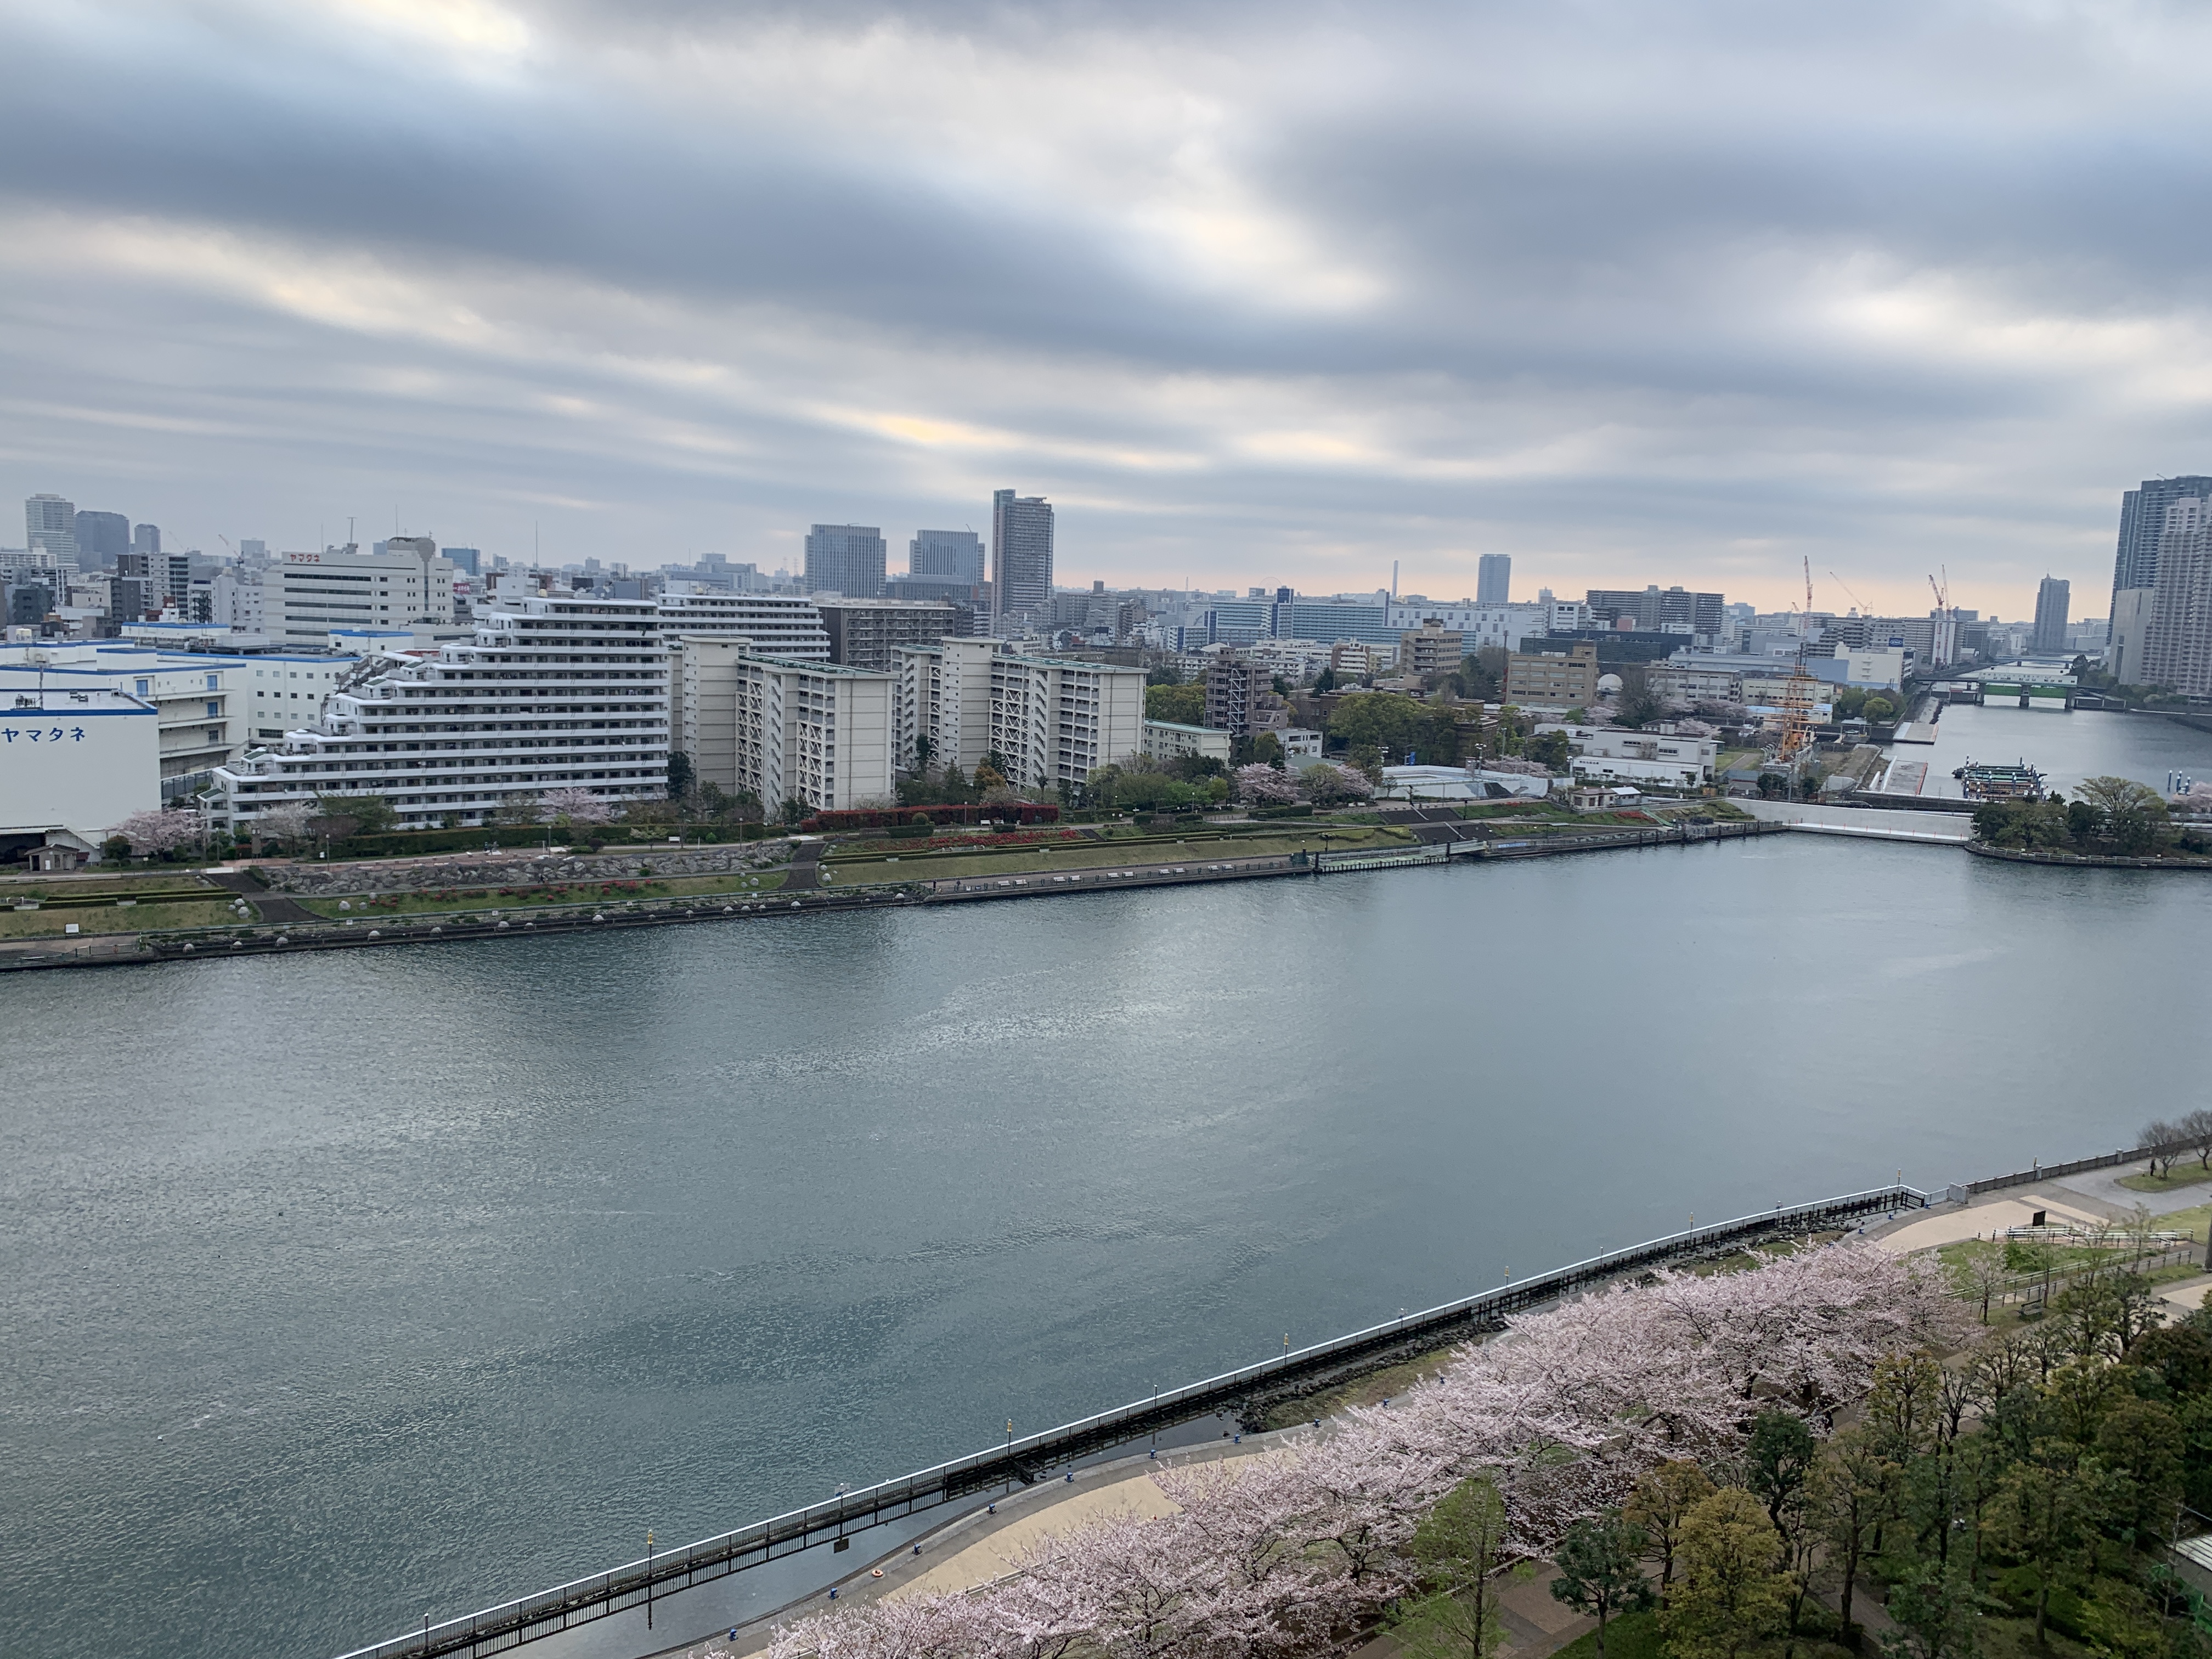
147, 538
2051, 601
305, 595
469, 559
1021, 556
133, 595
2124, 637
1563, 679
50, 526
2142, 526
556, 692
102, 538
2177, 648
865, 633
1052, 721
955, 556
970, 601
1493, 579
846, 559
1672, 610
778, 624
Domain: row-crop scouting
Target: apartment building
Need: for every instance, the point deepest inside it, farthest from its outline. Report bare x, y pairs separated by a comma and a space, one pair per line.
812, 733
779, 624
1052, 721
864, 633
1431, 649
1171, 740
555, 692
1566, 679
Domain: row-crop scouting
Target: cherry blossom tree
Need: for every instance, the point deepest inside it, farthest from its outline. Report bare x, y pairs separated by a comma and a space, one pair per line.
285, 822
162, 831
1293, 1550
1262, 785
1325, 783
1518, 767
574, 806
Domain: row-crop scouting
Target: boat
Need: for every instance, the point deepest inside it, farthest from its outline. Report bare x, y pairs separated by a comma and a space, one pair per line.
1986, 780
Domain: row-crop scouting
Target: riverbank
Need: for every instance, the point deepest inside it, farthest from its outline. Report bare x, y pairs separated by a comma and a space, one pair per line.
506, 912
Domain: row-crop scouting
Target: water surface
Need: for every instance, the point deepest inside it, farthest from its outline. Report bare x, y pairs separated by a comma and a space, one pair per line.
340, 1287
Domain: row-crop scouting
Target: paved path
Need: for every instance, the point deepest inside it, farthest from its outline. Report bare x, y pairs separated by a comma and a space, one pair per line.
273, 907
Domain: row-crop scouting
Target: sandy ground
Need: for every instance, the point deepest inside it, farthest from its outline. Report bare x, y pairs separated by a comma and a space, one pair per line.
1948, 1226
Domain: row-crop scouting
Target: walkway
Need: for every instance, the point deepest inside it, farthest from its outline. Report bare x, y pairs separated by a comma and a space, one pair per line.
273, 907
1875, 823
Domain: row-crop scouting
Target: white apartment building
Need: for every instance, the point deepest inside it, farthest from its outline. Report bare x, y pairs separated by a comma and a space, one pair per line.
279, 694
1612, 755
778, 624
1502, 625
1170, 739
305, 595
1052, 721
812, 733
555, 692
75, 760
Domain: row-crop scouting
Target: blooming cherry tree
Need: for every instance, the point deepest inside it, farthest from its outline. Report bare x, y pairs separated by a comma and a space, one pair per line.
574, 806
162, 831
1262, 785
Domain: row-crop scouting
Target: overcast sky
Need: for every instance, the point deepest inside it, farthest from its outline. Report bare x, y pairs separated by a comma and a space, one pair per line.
1634, 291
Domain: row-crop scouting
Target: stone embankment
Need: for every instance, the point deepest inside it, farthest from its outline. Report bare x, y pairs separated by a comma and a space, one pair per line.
522, 870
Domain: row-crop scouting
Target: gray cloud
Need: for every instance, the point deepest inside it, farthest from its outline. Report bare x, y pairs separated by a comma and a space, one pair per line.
1257, 293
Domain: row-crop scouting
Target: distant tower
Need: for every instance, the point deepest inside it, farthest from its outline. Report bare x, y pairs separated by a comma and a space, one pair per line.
147, 538
845, 558
2051, 603
101, 539
1021, 556
1493, 581
50, 525
953, 555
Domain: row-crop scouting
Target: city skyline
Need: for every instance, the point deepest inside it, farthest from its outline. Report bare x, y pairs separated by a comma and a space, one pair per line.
639, 285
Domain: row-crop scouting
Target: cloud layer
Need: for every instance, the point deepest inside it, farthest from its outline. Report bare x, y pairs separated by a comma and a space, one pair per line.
1256, 293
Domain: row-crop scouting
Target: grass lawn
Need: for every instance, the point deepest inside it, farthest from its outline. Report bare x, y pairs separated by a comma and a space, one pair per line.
1196, 849
613, 891
2186, 1172
20, 889
1389, 1383
114, 919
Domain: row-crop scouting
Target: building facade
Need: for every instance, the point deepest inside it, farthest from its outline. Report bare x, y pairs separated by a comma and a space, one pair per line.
555, 692
50, 526
1493, 579
811, 734
953, 555
2142, 526
101, 539
1670, 610
75, 760
2124, 646
1431, 649
1021, 556
779, 624
305, 595
1233, 684
1052, 721
2177, 648
1564, 679
2051, 600
1168, 740
846, 559
867, 633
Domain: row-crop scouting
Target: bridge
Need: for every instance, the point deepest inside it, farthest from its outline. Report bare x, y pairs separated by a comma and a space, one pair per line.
1245, 1391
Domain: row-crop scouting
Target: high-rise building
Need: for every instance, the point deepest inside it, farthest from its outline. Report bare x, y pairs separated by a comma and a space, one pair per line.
2051, 602
954, 555
864, 633
2177, 640
780, 729
846, 559
308, 594
785, 625
470, 559
101, 539
50, 525
1051, 721
147, 538
1493, 579
2142, 523
1021, 555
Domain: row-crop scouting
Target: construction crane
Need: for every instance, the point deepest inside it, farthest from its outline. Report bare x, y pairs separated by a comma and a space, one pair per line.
1797, 694
1852, 597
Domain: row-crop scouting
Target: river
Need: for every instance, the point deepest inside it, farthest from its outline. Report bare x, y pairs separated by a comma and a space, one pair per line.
2065, 746
341, 1288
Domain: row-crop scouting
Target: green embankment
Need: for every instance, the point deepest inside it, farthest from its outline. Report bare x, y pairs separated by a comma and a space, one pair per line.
1194, 851
614, 891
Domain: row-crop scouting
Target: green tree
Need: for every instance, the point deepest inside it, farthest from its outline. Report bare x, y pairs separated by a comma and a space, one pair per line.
681, 775
1325, 682
1660, 1504
1600, 1565
1935, 1609
2130, 816
1875, 710
1458, 1546
1638, 709
2046, 1515
1852, 1491
1731, 1598
1778, 1459
1551, 748
1180, 705
2144, 1441
1381, 720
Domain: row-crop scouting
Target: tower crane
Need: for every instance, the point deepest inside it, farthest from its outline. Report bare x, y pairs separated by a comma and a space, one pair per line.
1797, 694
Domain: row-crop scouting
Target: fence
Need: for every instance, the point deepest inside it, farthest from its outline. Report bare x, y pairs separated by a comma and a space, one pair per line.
1959, 1192
529, 1618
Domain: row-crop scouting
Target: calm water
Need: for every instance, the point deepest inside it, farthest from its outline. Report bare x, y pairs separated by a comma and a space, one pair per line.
2064, 747
337, 1288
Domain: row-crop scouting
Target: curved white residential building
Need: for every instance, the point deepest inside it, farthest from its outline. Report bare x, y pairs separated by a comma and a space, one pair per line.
784, 625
